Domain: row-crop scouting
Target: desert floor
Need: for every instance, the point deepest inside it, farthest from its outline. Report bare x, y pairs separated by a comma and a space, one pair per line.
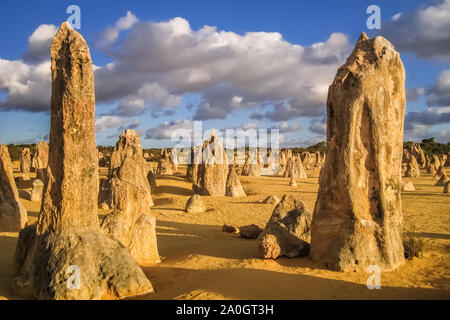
199, 261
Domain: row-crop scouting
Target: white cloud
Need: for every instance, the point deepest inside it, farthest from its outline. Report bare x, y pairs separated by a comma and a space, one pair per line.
103, 123
157, 63
39, 44
425, 31
27, 85
111, 34
231, 71
166, 129
318, 126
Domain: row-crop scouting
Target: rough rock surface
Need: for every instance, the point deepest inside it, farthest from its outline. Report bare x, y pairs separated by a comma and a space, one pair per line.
195, 204
40, 161
67, 236
288, 231
230, 229
13, 215
234, 187
251, 231
210, 176
131, 222
36, 192
271, 200
357, 219
25, 163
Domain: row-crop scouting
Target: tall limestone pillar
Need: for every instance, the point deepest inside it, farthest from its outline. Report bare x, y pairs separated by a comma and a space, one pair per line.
66, 256
357, 218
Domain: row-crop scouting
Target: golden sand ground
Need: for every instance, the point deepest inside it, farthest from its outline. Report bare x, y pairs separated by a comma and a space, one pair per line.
201, 262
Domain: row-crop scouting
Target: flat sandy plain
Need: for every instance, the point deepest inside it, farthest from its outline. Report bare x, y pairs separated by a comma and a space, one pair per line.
199, 261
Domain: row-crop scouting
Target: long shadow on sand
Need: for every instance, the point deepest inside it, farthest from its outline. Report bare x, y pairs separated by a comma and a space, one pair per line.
248, 283
432, 235
7, 250
180, 191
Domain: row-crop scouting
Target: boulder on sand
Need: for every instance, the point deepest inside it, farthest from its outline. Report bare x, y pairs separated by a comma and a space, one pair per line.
251, 231
230, 228
288, 231
195, 204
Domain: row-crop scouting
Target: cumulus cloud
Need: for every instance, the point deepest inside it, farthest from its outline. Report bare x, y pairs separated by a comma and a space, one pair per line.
166, 129
413, 94
285, 127
103, 123
156, 63
27, 85
430, 116
132, 125
111, 34
439, 93
232, 72
318, 126
39, 44
438, 106
27, 81
418, 132
425, 31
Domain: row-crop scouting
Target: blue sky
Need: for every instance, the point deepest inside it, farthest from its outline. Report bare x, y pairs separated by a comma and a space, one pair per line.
221, 98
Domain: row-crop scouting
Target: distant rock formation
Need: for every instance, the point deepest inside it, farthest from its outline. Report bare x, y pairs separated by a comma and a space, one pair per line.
252, 165
25, 163
412, 169
131, 222
210, 176
234, 187
408, 186
40, 161
36, 192
165, 165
